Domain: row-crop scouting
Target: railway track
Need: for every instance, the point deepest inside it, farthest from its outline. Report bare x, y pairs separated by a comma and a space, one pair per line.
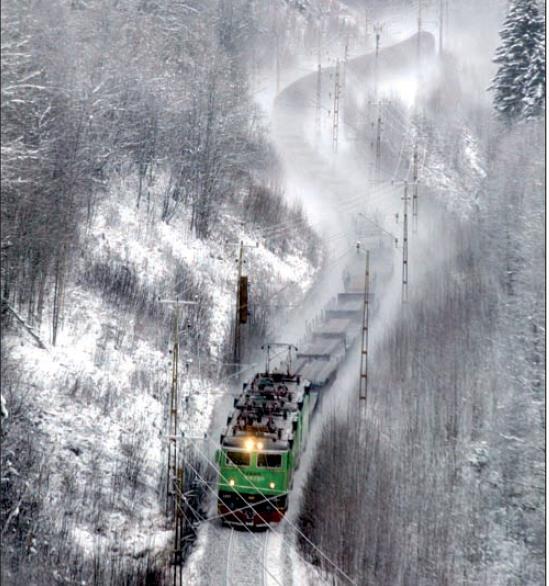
230, 559
246, 560
265, 559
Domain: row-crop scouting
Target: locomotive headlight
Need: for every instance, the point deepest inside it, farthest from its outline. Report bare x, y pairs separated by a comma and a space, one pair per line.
249, 444
271, 485
259, 445
231, 482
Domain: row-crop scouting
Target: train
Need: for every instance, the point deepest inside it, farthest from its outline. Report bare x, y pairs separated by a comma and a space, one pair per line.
266, 433
260, 451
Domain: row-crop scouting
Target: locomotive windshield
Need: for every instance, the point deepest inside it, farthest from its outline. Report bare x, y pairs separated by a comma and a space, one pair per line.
269, 460
238, 458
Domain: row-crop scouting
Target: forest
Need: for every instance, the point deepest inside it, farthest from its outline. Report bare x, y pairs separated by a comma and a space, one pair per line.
139, 149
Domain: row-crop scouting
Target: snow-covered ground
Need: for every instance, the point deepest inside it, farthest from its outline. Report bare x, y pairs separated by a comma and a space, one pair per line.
99, 396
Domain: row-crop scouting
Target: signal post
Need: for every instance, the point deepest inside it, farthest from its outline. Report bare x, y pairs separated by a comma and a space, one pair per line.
241, 314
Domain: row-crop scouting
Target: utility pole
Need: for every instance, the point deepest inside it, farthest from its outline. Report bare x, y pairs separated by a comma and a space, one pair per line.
172, 493
198, 338
267, 348
277, 62
441, 27
241, 314
318, 112
378, 28
179, 527
375, 102
318, 105
415, 187
405, 246
337, 89
419, 30
290, 348
447, 22
361, 448
378, 146
363, 387
171, 501
174, 480
344, 84
237, 337
345, 59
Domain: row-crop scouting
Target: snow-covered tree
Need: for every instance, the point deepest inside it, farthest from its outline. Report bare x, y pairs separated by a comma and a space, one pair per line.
534, 98
519, 85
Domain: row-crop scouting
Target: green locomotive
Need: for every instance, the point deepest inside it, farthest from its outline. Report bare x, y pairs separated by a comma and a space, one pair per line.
261, 448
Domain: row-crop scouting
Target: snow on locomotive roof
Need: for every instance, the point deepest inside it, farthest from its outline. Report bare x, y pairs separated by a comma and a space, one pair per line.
266, 410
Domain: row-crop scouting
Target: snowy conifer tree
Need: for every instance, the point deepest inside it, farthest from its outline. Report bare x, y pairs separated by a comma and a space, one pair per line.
534, 98
519, 84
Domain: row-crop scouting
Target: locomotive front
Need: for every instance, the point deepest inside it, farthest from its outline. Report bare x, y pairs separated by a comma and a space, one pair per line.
259, 451
253, 483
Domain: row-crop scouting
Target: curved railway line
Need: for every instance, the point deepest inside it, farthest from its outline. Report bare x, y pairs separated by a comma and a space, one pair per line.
242, 557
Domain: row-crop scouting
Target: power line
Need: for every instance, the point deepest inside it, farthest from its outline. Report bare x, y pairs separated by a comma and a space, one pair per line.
285, 228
